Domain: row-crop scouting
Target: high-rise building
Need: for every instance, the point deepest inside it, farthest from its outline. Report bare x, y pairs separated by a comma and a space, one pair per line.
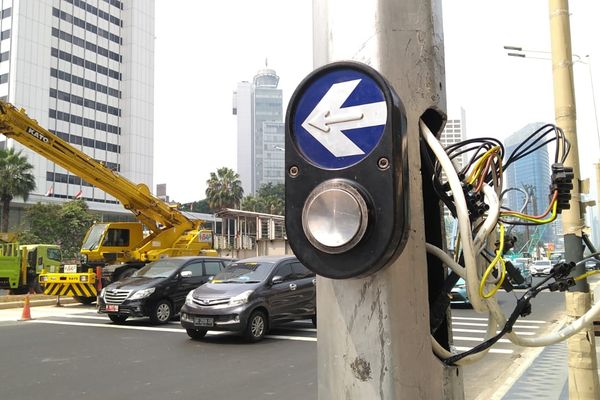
260, 148
455, 131
85, 71
532, 174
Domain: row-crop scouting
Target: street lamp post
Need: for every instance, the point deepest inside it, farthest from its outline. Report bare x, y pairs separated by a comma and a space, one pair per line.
516, 51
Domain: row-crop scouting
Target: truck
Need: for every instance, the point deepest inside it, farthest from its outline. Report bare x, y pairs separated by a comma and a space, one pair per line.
110, 250
21, 265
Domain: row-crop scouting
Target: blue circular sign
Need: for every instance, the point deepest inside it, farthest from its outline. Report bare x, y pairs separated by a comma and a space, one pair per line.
339, 118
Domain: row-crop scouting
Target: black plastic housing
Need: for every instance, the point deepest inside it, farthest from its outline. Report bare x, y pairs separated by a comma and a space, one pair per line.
385, 190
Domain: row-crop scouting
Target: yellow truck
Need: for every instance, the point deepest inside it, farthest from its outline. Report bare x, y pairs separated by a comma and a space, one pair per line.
118, 248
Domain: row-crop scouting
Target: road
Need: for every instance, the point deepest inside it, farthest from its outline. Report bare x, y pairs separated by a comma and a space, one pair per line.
73, 353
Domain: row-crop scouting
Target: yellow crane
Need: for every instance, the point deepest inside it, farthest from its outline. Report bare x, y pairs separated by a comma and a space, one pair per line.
119, 247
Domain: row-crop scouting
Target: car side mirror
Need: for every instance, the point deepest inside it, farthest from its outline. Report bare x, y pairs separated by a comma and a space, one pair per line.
277, 279
186, 274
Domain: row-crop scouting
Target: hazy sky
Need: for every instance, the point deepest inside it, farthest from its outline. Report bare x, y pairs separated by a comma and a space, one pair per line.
204, 48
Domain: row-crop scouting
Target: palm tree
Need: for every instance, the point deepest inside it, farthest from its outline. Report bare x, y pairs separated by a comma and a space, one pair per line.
15, 180
224, 189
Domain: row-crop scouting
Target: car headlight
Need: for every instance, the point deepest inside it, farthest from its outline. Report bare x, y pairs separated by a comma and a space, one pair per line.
140, 294
241, 298
189, 299
102, 292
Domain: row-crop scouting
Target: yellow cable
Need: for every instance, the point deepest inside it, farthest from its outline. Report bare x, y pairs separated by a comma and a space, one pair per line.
551, 218
490, 268
480, 164
583, 276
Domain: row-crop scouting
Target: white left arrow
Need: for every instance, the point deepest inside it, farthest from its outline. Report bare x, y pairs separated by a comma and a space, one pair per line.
327, 120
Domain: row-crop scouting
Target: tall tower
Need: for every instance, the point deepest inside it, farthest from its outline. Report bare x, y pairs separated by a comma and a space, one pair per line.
85, 71
532, 174
455, 131
259, 110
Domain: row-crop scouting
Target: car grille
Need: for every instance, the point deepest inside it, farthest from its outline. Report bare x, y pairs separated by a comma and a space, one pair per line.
116, 296
210, 302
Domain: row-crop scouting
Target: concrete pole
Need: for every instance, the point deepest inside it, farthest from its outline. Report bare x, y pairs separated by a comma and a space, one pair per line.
597, 172
373, 336
583, 372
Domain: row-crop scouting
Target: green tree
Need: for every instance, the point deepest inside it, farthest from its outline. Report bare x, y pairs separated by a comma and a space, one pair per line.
269, 199
224, 189
64, 224
16, 180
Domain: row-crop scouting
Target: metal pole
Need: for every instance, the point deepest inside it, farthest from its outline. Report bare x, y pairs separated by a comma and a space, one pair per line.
373, 336
583, 372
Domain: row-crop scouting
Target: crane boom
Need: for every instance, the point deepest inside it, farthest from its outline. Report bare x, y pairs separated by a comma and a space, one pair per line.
17, 125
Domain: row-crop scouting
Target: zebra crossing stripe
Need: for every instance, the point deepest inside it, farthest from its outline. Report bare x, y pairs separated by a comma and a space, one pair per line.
523, 321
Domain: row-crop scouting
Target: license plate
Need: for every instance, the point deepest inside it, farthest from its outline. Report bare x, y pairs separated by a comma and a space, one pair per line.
70, 268
199, 321
112, 307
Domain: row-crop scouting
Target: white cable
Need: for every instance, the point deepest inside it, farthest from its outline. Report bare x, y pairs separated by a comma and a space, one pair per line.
464, 224
491, 220
497, 315
491, 328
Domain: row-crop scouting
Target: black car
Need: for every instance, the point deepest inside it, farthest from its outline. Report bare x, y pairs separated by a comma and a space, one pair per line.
157, 290
250, 296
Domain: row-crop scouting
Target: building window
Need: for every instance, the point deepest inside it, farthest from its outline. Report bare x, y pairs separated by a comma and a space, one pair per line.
4, 56
5, 34
86, 25
85, 83
90, 123
3, 78
7, 12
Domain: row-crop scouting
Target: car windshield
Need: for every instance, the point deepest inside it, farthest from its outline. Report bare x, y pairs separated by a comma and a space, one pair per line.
542, 262
247, 272
159, 269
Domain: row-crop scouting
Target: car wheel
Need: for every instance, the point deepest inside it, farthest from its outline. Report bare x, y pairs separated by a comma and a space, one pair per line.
117, 318
161, 312
314, 320
196, 334
256, 327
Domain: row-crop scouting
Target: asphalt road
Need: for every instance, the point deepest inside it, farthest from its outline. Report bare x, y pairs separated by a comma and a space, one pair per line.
73, 353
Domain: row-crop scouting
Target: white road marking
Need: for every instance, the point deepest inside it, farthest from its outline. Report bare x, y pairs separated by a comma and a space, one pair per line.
476, 324
477, 339
524, 321
483, 331
492, 351
299, 338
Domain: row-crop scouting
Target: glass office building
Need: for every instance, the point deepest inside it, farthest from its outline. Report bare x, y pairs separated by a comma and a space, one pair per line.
258, 106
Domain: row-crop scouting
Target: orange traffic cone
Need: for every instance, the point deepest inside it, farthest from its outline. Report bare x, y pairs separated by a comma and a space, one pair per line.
26, 316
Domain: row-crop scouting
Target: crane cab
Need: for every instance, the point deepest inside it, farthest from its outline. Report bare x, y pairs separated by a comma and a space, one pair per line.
110, 242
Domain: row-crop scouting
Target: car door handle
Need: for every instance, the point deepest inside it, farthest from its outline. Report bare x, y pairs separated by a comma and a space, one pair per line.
293, 286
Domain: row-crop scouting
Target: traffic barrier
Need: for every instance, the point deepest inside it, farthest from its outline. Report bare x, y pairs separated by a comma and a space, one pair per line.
26, 315
58, 301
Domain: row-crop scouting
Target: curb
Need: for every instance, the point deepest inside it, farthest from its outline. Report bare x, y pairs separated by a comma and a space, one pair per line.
7, 302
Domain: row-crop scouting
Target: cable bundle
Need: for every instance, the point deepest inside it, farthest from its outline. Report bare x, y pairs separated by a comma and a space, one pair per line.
480, 181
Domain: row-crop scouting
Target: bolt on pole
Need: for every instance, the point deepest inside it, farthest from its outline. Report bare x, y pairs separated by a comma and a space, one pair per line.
583, 373
374, 335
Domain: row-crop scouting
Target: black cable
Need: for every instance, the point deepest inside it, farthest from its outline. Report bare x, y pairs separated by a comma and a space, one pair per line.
522, 304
